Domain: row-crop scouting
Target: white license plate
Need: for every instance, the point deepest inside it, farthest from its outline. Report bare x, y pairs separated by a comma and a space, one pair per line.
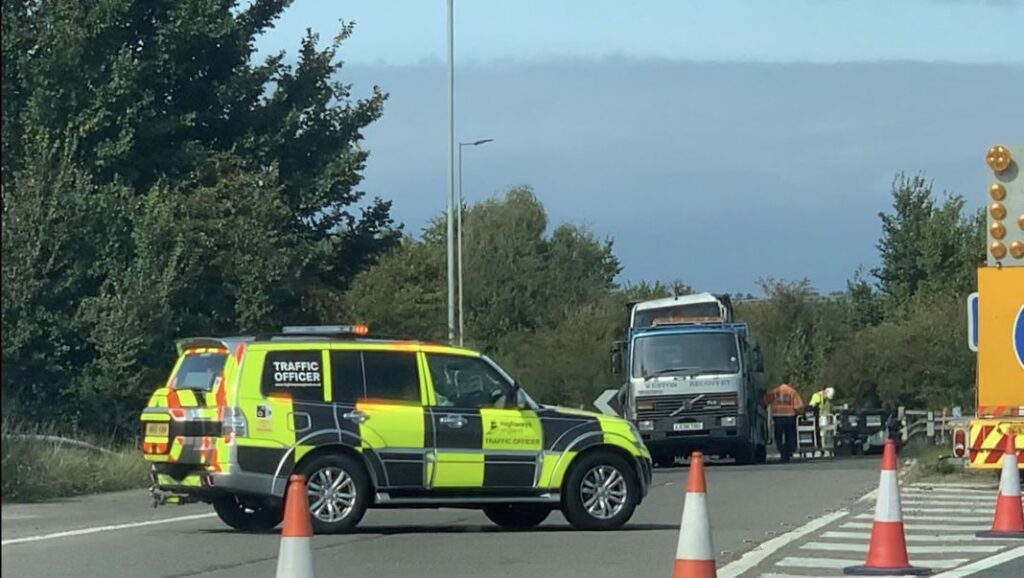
688, 426
157, 429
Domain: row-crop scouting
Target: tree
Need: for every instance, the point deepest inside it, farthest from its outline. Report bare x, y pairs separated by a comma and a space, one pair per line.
926, 248
517, 280
158, 182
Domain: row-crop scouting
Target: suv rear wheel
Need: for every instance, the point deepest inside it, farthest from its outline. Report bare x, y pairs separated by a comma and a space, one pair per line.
600, 493
517, 516
338, 491
247, 514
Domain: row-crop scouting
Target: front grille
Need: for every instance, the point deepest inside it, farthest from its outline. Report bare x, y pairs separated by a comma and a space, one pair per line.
705, 404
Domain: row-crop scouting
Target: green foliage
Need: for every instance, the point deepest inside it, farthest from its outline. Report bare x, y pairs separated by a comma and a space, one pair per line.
898, 343
542, 304
159, 182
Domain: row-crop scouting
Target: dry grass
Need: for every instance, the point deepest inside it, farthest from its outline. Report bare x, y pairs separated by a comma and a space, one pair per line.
35, 470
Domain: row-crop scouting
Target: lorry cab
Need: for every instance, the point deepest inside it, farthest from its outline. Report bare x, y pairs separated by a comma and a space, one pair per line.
692, 380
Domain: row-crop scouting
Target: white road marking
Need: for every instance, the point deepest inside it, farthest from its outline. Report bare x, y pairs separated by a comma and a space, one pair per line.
948, 510
984, 564
775, 575
953, 485
935, 518
839, 563
906, 526
951, 490
989, 502
758, 554
932, 497
99, 529
978, 507
865, 536
948, 548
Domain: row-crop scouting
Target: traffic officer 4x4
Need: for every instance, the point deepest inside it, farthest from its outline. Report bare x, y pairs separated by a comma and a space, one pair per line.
378, 423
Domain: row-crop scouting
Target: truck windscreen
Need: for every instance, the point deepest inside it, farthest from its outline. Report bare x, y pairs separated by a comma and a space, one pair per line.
685, 354
646, 317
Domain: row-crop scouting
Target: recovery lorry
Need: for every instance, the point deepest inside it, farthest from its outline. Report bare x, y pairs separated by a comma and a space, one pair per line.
996, 315
692, 379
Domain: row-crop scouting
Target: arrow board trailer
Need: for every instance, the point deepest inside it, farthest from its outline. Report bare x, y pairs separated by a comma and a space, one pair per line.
996, 320
693, 380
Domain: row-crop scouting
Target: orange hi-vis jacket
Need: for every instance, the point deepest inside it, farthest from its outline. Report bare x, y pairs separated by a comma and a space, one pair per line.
784, 401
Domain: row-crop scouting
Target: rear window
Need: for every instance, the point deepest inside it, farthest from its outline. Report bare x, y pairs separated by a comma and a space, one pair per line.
200, 371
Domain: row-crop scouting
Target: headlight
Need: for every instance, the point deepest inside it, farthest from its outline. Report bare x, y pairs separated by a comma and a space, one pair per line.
729, 420
646, 425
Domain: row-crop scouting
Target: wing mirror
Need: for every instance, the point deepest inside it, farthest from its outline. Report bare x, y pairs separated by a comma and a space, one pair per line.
616, 357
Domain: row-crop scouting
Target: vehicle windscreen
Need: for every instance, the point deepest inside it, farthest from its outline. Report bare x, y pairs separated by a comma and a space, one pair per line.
199, 371
646, 318
685, 354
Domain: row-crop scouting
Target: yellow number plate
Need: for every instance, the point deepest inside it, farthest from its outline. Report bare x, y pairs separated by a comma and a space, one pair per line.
157, 429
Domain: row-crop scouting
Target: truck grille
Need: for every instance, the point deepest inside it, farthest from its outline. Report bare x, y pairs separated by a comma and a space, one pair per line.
706, 404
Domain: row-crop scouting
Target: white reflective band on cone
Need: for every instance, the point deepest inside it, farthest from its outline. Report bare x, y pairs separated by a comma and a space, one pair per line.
295, 559
695, 539
1009, 482
887, 508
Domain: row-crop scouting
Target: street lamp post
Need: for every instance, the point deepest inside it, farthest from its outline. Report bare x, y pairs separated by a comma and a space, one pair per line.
451, 174
462, 324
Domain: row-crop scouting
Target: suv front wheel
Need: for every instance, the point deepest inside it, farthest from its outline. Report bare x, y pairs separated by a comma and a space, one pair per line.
600, 493
338, 491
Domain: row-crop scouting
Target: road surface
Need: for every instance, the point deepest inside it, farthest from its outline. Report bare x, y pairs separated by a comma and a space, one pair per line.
119, 535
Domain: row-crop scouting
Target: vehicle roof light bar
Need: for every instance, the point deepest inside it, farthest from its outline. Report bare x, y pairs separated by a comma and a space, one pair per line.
325, 330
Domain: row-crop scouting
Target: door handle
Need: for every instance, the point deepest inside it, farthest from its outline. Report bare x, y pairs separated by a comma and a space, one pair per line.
306, 419
356, 416
454, 421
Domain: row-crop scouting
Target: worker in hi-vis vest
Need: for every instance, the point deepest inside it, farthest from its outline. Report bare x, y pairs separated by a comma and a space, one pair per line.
821, 404
785, 404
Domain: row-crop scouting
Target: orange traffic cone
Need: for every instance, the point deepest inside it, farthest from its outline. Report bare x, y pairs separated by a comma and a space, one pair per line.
695, 556
887, 552
1009, 519
295, 558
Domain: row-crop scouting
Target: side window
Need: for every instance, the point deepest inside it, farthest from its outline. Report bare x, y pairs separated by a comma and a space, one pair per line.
347, 384
297, 374
466, 382
391, 376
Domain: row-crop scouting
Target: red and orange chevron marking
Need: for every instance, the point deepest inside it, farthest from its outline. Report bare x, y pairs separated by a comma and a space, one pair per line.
987, 442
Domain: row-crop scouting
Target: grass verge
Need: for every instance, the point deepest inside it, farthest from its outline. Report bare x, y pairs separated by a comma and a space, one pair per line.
34, 470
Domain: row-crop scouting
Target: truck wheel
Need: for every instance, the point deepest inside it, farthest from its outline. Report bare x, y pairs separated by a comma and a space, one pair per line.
663, 460
247, 515
744, 455
600, 493
338, 491
517, 516
761, 454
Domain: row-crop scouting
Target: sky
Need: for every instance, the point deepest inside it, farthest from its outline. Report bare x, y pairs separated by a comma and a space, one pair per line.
714, 142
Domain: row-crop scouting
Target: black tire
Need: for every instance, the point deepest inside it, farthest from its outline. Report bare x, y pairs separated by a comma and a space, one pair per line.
247, 515
572, 492
662, 460
761, 454
332, 465
517, 516
744, 455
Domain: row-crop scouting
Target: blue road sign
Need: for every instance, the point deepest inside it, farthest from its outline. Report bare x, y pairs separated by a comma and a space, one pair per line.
1018, 337
972, 322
